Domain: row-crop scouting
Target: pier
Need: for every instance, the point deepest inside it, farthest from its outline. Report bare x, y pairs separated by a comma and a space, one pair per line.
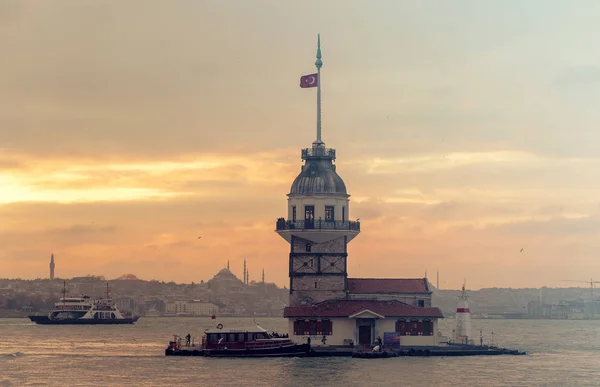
345, 351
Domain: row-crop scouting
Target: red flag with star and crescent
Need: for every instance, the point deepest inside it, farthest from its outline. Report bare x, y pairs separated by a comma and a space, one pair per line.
311, 80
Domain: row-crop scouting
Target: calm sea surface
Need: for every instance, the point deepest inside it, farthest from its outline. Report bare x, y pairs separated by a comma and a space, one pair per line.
562, 353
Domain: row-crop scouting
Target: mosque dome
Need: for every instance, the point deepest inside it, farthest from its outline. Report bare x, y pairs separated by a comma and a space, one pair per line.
225, 273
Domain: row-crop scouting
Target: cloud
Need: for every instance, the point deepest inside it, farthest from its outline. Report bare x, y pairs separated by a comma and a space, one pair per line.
469, 138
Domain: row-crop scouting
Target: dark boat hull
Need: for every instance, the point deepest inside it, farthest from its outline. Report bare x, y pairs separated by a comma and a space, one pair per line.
44, 320
296, 350
374, 355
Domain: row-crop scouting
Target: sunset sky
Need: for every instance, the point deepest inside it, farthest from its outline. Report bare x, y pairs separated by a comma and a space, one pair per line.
465, 131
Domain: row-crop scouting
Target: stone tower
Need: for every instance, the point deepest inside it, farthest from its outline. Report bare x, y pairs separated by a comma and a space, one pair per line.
317, 227
52, 267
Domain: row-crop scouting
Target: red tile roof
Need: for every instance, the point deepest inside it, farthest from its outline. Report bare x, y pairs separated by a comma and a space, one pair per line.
346, 308
388, 285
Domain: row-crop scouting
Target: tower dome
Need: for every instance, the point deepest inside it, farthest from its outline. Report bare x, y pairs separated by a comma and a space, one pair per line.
318, 175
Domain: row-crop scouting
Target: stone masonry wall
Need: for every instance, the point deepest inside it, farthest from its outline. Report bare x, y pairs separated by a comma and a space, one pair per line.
327, 287
334, 246
303, 289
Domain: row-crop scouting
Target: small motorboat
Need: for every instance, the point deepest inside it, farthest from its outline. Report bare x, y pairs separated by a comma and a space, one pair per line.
240, 342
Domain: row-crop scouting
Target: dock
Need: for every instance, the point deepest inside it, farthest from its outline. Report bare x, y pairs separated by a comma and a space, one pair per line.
346, 351
451, 350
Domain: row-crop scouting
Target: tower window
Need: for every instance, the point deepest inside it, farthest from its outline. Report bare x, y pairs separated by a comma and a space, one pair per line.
315, 284
309, 217
421, 303
343, 214
329, 213
293, 213
309, 213
308, 247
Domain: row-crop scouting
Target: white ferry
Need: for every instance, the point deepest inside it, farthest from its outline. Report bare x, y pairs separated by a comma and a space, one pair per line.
84, 310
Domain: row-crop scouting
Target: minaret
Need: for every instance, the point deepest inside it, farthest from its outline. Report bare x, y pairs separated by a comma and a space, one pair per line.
263, 276
51, 266
462, 332
317, 227
245, 272
228, 264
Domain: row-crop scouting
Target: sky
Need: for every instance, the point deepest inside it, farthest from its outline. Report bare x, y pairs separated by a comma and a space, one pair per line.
465, 131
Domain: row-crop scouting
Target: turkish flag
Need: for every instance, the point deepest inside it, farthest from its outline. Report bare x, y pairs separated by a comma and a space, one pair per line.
311, 80
213, 317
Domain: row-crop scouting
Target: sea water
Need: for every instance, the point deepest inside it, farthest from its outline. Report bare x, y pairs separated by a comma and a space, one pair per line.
561, 353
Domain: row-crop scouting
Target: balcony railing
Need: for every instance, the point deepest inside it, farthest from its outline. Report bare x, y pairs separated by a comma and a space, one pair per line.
318, 152
319, 224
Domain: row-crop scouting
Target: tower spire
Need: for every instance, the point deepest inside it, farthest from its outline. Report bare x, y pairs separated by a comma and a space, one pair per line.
318, 64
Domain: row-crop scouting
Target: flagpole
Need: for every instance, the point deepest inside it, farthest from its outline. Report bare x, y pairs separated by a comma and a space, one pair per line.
318, 64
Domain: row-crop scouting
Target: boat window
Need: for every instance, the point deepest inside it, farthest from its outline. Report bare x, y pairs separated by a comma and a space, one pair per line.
250, 336
231, 338
212, 338
240, 338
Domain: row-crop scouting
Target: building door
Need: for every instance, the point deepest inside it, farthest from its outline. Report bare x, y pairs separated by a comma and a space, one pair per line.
364, 335
309, 216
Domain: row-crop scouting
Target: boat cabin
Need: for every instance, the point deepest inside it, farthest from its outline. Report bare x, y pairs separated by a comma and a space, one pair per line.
241, 338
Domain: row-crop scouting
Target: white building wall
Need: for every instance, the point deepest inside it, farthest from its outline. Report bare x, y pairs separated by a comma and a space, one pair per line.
319, 202
346, 329
342, 329
389, 325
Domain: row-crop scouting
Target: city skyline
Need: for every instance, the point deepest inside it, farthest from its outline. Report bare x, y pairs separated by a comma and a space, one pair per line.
164, 143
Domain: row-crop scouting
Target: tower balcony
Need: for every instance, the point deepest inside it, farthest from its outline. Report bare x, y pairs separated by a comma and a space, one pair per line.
318, 152
318, 231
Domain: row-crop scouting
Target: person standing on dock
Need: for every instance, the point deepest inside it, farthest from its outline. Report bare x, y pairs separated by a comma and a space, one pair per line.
379, 343
188, 339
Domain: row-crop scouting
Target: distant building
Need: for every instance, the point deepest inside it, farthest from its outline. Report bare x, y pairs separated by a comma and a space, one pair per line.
191, 307
564, 310
52, 267
324, 302
125, 304
534, 309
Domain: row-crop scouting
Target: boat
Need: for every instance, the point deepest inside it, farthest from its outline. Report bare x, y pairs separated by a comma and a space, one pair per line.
240, 342
84, 310
374, 354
